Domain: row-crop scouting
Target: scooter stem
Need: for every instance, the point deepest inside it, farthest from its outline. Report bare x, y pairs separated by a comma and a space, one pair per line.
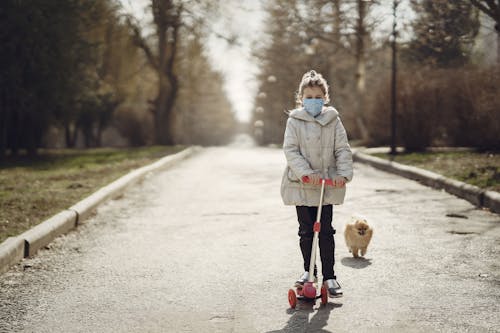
316, 228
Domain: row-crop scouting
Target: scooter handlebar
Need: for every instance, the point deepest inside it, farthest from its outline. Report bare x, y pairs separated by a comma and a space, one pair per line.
328, 182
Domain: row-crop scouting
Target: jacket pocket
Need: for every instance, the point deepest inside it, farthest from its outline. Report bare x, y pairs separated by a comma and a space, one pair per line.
291, 176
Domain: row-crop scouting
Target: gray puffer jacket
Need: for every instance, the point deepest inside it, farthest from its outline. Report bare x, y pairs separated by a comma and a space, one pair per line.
315, 145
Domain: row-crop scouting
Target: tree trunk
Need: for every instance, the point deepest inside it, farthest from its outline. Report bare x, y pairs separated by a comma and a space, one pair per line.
71, 135
171, 115
497, 27
31, 135
360, 69
98, 136
13, 136
3, 127
161, 113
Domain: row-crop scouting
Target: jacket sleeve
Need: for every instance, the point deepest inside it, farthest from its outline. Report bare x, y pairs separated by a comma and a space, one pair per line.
343, 154
299, 165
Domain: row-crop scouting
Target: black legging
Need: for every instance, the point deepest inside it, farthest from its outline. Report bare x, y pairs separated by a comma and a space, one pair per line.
307, 217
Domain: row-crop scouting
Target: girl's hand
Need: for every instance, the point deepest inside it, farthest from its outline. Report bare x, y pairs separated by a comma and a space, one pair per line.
339, 181
314, 179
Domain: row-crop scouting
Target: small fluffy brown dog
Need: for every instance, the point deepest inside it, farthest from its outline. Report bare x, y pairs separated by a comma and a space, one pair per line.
358, 236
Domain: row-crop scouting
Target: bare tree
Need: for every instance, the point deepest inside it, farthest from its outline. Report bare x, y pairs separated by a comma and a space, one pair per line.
170, 18
167, 22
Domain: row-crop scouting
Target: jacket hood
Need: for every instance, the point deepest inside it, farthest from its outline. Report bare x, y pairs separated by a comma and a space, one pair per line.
325, 117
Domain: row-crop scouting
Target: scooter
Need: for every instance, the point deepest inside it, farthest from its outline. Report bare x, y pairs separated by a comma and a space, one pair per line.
309, 290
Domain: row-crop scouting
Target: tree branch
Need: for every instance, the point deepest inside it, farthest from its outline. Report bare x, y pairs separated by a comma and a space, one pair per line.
201, 22
141, 42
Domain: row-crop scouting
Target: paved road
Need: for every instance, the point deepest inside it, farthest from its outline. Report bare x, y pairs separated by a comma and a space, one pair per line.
208, 247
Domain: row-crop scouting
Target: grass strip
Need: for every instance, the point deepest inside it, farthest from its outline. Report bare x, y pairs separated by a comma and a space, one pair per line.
476, 168
34, 189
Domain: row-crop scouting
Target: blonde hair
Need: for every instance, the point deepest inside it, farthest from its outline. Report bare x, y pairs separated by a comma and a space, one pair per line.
312, 79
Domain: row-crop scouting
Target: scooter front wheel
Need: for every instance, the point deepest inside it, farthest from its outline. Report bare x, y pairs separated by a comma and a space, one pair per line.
292, 298
324, 295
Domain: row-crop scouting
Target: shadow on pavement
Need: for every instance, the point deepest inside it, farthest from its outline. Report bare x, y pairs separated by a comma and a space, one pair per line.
299, 321
356, 262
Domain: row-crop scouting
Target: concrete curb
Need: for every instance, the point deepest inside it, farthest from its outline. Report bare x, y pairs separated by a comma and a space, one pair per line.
13, 249
471, 193
492, 200
11, 252
43, 233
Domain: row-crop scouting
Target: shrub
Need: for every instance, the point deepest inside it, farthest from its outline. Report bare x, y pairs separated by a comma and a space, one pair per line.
457, 107
472, 108
136, 126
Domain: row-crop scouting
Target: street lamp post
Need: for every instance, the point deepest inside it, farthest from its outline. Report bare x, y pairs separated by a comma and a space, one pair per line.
393, 82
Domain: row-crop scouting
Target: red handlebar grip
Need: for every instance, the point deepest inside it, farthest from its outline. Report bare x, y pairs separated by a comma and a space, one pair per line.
306, 179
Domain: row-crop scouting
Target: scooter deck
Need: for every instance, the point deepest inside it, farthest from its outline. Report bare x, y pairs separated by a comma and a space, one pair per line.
304, 298
300, 286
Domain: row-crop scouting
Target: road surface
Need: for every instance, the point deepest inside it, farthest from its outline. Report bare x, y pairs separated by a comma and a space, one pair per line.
207, 246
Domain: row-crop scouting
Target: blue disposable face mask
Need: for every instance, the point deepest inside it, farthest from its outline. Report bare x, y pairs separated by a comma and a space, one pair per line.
313, 106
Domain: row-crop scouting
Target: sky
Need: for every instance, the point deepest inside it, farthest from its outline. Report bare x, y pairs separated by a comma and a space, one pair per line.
242, 18
245, 20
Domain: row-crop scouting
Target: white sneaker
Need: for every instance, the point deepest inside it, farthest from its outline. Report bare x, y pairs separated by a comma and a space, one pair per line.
333, 287
303, 279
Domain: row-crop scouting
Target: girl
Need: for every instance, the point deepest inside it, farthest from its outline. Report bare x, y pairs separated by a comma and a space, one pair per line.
316, 146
